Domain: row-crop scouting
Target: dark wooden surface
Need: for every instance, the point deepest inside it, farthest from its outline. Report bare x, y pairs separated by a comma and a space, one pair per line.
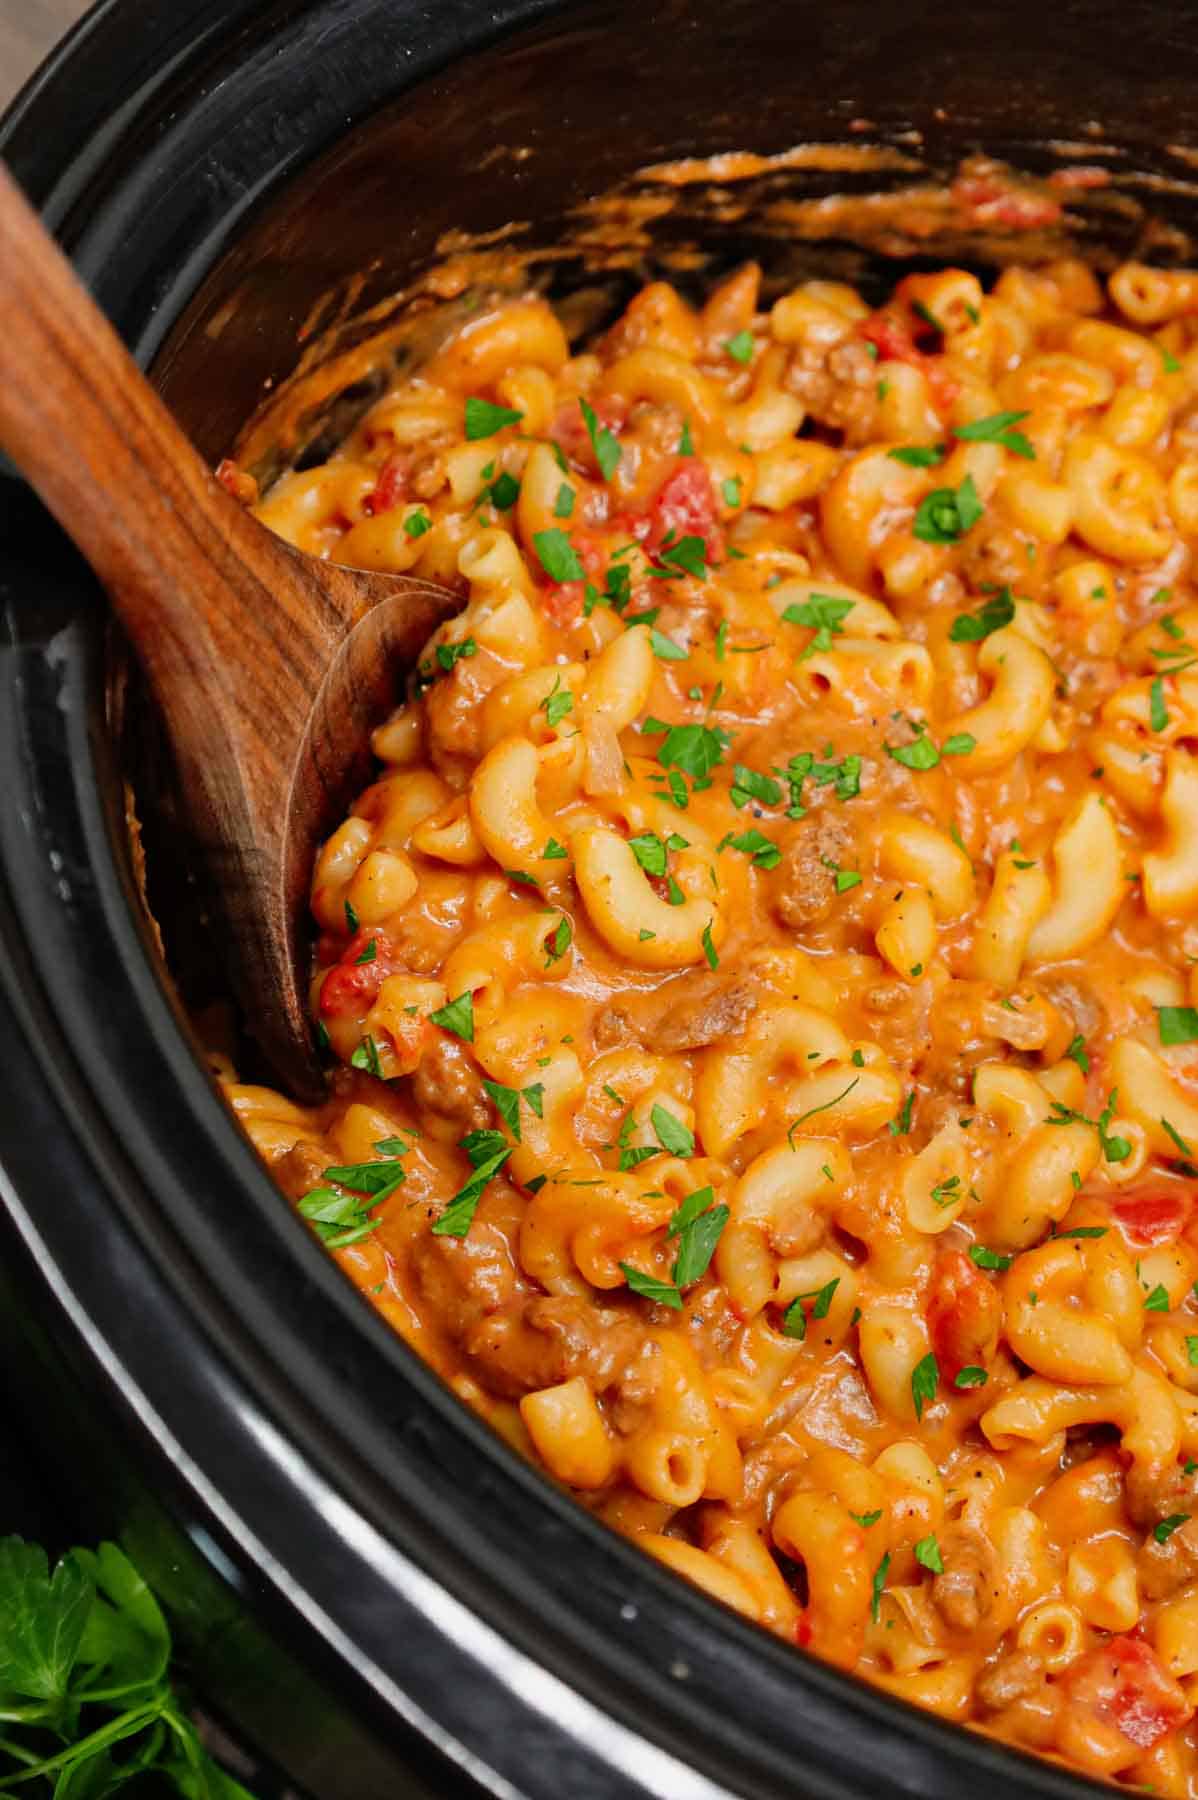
28, 29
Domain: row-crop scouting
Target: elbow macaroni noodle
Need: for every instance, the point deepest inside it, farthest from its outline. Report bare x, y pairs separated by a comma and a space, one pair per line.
762, 981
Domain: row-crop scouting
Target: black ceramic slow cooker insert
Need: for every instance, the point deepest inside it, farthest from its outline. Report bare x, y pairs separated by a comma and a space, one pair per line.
367, 1583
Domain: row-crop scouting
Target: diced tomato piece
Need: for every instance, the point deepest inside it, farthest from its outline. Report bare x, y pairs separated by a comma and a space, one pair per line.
390, 488
562, 602
347, 989
629, 527
964, 1313
685, 506
235, 481
894, 334
352, 986
1154, 1212
991, 202
1125, 1686
409, 1035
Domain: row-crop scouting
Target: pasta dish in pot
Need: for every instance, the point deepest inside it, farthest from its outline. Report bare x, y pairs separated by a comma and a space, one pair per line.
763, 979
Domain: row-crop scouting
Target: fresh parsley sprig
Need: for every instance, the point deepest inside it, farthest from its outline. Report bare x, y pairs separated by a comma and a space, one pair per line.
84, 1672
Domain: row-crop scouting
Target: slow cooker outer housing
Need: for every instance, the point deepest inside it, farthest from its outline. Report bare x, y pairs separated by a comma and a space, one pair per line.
371, 1585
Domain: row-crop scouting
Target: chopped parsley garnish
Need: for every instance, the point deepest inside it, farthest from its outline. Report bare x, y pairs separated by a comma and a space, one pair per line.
822, 1107
559, 941
748, 785
664, 648
1158, 714
366, 1057
876, 1587
417, 523
557, 703
689, 1209
457, 1017
740, 347
339, 1218
927, 1554
901, 1126
684, 556
563, 506
557, 555
730, 489
763, 851
1177, 1138
1115, 1149
988, 1259
795, 1319
1077, 1053
970, 1377
483, 419
503, 492
694, 750
650, 852
1177, 1024
685, 442
603, 443
664, 1292
918, 456
351, 917
822, 613
631, 1155
1164, 1531
948, 513
996, 429
449, 654
846, 774
970, 628
673, 1136
698, 1226
1157, 1300
922, 754
507, 1103
369, 953
924, 1378
487, 1152
709, 949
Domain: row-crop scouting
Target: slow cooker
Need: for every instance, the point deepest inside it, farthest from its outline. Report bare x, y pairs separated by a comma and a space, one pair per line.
368, 1585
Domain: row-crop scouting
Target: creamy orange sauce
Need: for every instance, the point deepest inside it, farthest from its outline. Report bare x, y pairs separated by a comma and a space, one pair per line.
760, 981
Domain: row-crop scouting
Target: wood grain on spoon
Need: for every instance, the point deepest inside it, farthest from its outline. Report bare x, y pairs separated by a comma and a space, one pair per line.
270, 667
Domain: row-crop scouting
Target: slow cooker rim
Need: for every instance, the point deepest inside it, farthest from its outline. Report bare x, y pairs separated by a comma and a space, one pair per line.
841, 1698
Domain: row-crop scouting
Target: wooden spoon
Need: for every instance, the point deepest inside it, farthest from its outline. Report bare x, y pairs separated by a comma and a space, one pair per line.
269, 666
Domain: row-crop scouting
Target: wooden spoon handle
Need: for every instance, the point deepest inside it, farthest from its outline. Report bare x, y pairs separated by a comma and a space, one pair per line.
210, 599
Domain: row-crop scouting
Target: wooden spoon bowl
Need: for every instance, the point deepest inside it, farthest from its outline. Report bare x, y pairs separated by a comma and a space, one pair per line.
270, 667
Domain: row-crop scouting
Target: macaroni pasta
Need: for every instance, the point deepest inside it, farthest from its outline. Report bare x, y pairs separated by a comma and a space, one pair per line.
763, 979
